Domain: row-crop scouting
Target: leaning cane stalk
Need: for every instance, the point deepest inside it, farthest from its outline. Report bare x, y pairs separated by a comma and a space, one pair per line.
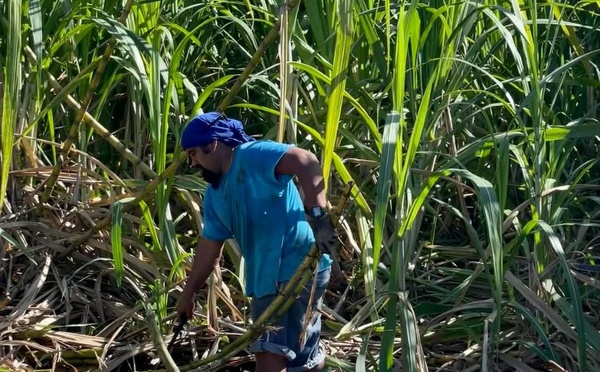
309, 310
271, 36
87, 117
73, 132
104, 133
281, 303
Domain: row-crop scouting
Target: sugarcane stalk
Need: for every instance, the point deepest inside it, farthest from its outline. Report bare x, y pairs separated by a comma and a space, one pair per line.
279, 306
163, 352
74, 131
271, 36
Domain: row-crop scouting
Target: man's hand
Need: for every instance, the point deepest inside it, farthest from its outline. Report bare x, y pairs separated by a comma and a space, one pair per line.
186, 306
324, 232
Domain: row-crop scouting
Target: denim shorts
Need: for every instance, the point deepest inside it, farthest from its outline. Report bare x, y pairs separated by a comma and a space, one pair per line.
284, 338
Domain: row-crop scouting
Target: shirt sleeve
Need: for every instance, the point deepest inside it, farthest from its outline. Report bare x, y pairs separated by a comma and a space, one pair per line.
214, 228
264, 157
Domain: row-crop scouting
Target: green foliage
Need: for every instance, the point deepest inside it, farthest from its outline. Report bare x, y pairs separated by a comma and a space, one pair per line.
468, 129
11, 82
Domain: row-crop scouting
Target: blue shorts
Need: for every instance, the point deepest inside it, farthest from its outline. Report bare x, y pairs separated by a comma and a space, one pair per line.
284, 339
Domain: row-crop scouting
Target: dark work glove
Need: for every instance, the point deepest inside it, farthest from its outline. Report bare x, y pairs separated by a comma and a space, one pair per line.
324, 232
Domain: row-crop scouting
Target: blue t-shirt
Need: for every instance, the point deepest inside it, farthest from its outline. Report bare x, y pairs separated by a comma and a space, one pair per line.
264, 213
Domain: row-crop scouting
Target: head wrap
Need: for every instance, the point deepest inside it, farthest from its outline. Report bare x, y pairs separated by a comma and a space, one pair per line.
205, 128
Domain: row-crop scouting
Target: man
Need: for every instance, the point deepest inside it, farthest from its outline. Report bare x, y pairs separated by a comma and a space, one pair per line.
253, 199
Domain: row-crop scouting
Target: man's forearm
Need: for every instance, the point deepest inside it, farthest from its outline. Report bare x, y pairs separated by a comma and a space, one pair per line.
205, 260
313, 186
310, 177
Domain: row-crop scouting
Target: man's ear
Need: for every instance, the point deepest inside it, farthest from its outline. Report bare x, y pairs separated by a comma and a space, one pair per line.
211, 147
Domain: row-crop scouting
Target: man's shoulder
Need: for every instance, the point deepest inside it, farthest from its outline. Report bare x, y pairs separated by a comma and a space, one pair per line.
262, 145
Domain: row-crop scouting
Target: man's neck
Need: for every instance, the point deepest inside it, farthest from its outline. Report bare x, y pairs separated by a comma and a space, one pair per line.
227, 159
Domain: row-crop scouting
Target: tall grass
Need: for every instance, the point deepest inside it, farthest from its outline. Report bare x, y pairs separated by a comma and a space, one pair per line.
469, 131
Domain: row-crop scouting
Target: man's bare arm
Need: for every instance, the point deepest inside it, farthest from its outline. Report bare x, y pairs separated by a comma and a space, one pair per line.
206, 257
305, 165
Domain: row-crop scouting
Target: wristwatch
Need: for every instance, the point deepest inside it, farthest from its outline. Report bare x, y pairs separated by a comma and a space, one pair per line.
316, 211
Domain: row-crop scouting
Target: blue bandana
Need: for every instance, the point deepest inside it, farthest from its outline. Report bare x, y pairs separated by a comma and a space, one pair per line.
205, 128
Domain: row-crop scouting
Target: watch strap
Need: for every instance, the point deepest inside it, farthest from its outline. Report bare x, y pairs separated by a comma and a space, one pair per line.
316, 211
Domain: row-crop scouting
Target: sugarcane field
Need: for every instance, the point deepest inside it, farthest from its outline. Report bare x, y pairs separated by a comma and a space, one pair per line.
328, 185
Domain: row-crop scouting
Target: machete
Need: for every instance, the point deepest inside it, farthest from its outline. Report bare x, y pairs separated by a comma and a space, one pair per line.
178, 329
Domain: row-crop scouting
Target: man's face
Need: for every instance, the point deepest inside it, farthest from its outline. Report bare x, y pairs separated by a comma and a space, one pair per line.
205, 160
